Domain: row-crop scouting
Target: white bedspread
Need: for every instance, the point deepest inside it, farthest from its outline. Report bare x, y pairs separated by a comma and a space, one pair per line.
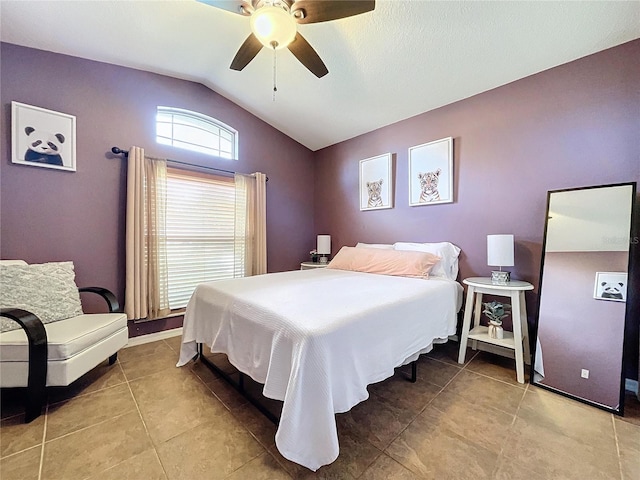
316, 339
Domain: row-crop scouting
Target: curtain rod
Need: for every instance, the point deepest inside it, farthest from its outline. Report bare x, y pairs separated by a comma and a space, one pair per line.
125, 153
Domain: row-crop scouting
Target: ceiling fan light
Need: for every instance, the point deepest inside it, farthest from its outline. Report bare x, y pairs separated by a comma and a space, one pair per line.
273, 25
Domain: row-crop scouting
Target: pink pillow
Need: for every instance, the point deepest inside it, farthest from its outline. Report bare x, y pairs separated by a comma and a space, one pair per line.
384, 262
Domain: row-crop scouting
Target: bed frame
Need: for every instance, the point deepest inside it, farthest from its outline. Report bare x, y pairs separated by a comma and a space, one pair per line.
240, 385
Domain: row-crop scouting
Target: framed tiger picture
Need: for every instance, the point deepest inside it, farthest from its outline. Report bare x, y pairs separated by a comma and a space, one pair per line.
431, 173
376, 182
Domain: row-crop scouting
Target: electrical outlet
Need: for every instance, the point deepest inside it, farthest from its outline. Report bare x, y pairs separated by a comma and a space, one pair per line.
584, 373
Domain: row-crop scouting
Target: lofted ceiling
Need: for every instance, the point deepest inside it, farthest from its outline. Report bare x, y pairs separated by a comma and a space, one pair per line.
404, 58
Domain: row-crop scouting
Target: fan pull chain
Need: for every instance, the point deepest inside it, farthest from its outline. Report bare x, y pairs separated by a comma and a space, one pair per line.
275, 88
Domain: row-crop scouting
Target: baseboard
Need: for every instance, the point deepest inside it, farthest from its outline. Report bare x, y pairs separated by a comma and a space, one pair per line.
154, 337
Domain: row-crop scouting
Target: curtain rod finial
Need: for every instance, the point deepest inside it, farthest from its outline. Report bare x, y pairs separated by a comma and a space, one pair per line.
118, 151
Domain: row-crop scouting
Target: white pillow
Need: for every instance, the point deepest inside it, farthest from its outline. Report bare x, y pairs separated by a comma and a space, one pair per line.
13, 262
48, 290
447, 267
384, 246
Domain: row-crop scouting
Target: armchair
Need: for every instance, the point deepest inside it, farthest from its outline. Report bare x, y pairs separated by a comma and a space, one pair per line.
41, 354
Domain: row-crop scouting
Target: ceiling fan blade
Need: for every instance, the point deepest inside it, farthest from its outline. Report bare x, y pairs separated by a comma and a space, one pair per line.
308, 56
247, 52
314, 11
236, 6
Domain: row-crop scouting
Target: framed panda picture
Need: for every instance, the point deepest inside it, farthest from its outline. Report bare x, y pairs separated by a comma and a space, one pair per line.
42, 138
610, 286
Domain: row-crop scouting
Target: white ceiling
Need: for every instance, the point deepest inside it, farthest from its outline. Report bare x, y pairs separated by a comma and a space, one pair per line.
404, 58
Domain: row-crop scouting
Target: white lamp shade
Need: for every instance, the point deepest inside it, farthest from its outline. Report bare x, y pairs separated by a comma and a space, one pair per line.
500, 250
324, 245
273, 26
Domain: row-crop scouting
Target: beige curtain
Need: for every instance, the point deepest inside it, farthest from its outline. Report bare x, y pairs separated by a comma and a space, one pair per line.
146, 288
250, 225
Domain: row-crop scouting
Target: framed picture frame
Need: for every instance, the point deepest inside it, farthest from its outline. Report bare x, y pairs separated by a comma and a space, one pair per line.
431, 173
42, 138
376, 182
610, 286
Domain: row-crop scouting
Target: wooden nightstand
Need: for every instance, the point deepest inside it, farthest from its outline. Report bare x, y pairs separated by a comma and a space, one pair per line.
312, 265
478, 286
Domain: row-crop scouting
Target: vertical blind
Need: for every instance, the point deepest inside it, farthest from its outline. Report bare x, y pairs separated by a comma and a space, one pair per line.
201, 238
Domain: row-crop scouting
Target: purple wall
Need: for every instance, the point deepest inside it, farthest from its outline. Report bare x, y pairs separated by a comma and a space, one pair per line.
571, 126
50, 215
577, 331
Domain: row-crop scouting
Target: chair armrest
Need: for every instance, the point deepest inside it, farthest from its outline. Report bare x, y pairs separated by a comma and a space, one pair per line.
38, 352
110, 298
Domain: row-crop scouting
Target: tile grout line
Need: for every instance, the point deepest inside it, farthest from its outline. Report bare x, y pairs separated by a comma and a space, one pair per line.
464, 367
144, 424
264, 447
460, 369
513, 422
135, 401
615, 436
423, 408
88, 426
44, 436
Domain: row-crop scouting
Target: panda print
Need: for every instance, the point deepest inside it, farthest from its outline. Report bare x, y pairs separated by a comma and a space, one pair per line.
612, 290
44, 147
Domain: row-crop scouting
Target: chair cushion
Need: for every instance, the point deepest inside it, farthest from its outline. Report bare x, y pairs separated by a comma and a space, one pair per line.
66, 338
48, 290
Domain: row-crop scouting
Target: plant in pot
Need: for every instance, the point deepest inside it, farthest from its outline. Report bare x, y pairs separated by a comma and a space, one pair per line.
496, 311
314, 255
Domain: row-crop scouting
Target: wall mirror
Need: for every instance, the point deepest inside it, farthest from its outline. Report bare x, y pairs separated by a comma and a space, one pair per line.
583, 293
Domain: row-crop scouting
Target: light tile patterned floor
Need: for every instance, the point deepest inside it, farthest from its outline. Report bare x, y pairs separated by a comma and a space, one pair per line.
142, 418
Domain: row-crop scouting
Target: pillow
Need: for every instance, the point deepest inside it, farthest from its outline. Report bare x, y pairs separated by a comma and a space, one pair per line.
48, 290
13, 262
448, 253
384, 262
383, 246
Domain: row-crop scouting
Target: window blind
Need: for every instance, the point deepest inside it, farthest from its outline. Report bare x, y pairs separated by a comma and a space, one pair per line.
200, 232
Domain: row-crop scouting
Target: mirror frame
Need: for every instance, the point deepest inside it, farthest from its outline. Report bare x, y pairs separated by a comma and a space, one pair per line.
633, 297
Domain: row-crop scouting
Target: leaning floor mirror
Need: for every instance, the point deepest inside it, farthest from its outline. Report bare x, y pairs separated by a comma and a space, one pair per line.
583, 294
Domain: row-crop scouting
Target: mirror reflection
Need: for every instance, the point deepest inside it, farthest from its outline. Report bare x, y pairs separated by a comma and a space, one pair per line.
583, 290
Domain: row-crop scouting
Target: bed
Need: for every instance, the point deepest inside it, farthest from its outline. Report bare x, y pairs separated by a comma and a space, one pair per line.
316, 338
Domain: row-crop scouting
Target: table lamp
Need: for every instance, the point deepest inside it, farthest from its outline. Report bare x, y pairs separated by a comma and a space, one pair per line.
500, 254
324, 247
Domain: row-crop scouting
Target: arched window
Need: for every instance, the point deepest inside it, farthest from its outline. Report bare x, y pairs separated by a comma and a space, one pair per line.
195, 131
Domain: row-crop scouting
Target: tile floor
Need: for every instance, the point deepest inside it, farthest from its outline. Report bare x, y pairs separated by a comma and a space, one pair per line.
144, 419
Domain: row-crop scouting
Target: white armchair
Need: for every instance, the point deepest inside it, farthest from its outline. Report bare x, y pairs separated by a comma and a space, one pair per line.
45, 352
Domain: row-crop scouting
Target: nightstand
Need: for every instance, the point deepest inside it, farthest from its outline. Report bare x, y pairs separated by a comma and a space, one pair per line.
312, 265
478, 286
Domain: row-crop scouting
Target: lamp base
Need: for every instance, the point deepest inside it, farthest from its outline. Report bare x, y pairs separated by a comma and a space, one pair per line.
500, 277
323, 259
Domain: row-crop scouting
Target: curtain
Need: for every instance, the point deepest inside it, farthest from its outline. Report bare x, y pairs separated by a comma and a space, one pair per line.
146, 287
250, 225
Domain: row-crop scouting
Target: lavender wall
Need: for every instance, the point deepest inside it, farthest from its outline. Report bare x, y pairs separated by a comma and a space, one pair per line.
577, 331
50, 215
571, 126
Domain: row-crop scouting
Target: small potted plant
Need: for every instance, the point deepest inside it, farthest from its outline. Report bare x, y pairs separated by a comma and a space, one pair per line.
314, 255
496, 311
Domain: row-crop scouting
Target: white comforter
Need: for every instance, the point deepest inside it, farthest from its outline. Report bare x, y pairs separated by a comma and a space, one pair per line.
316, 339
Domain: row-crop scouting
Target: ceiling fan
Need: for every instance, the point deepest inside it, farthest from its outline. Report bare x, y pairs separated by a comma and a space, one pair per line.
274, 24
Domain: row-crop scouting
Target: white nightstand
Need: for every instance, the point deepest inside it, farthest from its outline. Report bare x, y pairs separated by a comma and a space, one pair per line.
477, 286
312, 265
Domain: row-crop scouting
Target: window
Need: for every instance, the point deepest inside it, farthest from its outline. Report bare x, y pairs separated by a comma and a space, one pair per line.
194, 131
200, 227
